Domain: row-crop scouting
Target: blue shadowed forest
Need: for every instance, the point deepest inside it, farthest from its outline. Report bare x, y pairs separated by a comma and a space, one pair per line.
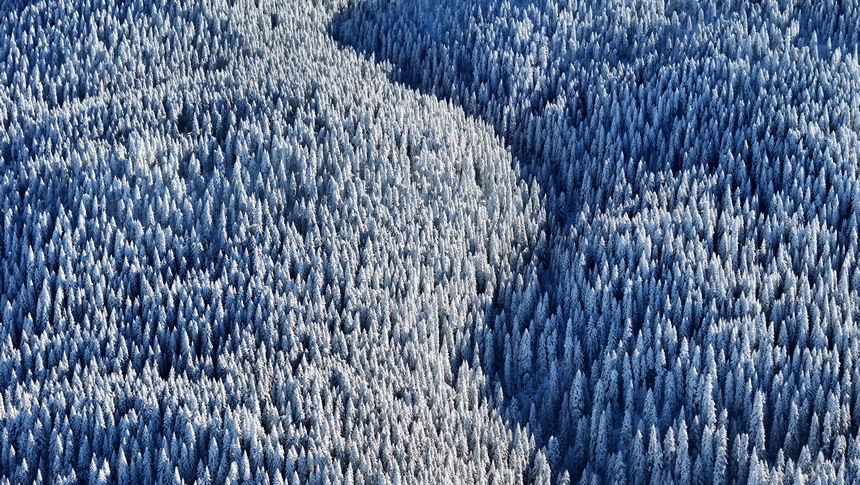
402, 241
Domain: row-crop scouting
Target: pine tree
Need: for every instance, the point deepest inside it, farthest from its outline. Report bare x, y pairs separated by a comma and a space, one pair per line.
682, 460
757, 423
524, 357
541, 473
721, 452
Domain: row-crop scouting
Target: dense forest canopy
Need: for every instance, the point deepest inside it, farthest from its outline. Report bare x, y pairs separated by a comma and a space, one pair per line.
692, 317
376, 242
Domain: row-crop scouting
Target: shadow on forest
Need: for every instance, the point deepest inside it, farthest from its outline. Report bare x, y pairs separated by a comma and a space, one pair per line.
367, 27
448, 58
444, 56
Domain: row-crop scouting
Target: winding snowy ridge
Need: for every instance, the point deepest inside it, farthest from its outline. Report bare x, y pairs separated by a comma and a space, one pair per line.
429, 242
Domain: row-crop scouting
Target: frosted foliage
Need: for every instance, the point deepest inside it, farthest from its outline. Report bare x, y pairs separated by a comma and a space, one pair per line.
691, 317
232, 251
383, 242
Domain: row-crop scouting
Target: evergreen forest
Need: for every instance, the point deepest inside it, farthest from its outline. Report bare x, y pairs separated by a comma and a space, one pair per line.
383, 242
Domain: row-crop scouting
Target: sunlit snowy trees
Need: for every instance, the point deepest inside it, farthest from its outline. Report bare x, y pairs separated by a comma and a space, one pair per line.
233, 253
377, 242
698, 167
